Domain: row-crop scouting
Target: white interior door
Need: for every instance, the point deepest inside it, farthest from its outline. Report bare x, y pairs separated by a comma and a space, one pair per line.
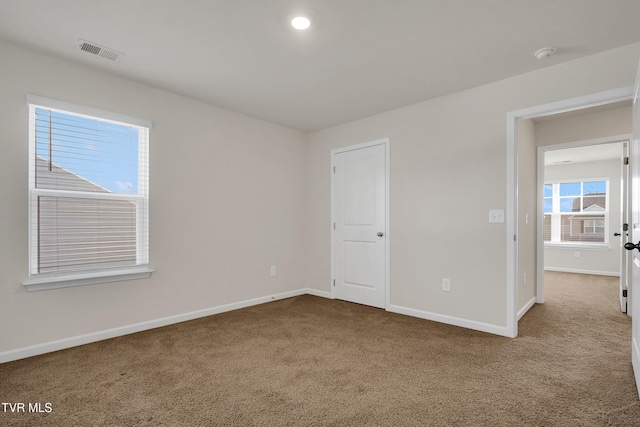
633, 293
359, 206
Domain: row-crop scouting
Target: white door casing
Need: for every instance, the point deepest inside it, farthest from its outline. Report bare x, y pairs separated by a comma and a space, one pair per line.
633, 293
360, 223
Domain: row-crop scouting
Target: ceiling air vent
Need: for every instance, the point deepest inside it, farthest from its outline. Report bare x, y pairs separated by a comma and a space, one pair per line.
101, 51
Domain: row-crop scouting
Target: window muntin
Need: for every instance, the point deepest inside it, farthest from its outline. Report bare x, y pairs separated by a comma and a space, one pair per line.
576, 212
88, 190
593, 226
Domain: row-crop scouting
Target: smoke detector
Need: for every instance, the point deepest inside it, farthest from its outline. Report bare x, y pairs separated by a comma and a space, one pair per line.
545, 52
98, 50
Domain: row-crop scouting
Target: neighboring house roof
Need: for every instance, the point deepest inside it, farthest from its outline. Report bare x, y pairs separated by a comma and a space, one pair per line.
59, 178
594, 202
594, 208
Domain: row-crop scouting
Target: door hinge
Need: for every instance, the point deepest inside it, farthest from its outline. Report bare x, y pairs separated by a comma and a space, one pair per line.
514, 237
334, 282
334, 169
624, 293
334, 225
626, 160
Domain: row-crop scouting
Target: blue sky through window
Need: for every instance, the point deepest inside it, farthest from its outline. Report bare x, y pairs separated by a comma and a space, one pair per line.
566, 205
571, 191
594, 187
102, 152
548, 190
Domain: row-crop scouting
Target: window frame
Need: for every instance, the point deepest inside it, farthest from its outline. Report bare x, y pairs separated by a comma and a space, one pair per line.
41, 281
556, 211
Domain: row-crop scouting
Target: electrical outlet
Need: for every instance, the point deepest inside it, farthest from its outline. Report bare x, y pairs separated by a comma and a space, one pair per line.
446, 285
273, 270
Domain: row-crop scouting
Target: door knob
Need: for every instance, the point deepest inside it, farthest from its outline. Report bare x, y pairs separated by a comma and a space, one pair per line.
616, 234
631, 246
380, 234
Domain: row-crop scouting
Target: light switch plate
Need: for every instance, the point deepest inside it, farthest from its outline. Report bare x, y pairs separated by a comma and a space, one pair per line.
496, 215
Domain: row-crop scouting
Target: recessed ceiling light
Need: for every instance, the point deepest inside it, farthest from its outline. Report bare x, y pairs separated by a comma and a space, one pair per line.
300, 23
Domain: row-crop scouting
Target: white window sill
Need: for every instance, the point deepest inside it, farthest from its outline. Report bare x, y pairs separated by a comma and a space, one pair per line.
43, 282
602, 247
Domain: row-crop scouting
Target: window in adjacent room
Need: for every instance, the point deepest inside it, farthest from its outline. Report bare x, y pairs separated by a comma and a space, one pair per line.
88, 195
576, 212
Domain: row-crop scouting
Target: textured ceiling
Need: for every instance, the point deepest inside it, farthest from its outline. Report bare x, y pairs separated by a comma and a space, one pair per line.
360, 57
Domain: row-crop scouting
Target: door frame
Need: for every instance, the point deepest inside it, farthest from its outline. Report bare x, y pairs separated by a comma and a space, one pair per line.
572, 104
387, 148
625, 218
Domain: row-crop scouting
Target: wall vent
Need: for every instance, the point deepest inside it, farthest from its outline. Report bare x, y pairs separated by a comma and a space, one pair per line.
101, 51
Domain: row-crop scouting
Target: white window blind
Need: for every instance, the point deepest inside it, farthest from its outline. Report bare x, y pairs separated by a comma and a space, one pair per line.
88, 190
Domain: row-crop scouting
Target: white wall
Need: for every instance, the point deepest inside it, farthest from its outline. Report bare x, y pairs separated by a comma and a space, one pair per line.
227, 202
593, 123
448, 169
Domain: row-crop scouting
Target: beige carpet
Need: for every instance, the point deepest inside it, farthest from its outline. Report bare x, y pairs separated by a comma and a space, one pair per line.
313, 361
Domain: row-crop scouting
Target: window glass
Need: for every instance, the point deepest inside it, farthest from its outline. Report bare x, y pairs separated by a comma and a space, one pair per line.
88, 193
570, 189
83, 154
569, 204
595, 187
576, 212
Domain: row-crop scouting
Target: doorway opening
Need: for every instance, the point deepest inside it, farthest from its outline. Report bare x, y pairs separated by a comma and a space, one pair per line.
583, 210
518, 258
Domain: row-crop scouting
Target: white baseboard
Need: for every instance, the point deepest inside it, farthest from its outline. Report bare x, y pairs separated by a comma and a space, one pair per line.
450, 320
579, 271
35, 350
526, 307
318, 293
